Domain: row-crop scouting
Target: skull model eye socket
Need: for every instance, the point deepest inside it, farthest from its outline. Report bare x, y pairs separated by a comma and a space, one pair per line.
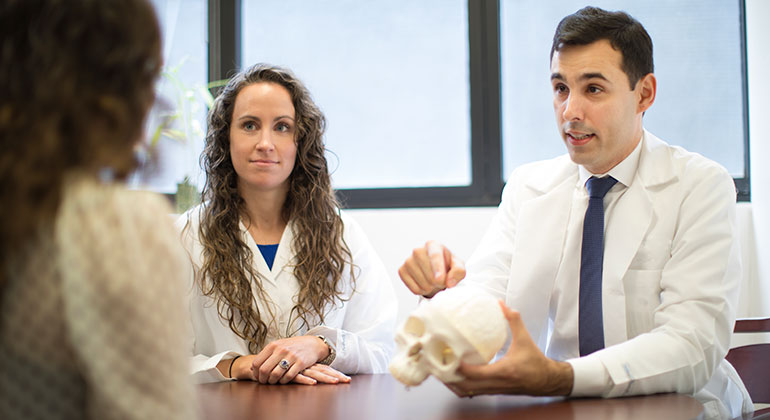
440, 353
414, 326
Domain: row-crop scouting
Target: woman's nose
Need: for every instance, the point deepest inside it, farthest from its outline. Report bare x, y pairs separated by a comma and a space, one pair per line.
264, 140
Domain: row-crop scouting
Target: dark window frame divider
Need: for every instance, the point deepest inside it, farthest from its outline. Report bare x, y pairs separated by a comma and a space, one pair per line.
743, 185
224, 35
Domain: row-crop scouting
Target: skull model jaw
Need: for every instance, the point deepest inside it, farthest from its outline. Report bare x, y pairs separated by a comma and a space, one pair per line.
433, 340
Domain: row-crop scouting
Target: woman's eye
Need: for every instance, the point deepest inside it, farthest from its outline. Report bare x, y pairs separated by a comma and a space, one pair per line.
249, 126
283, 127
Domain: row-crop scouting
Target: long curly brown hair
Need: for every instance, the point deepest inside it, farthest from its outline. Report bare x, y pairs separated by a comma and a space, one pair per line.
76, 82
320, 252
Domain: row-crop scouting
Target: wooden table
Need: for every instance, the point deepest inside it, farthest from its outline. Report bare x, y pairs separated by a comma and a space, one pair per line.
382, 397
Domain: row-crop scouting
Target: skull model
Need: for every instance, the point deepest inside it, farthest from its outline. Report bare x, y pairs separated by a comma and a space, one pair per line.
459, 324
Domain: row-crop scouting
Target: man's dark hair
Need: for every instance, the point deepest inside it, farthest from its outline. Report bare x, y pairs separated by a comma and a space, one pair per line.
625, 34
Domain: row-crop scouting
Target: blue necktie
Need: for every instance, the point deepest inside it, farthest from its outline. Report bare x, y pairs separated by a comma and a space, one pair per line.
591, 325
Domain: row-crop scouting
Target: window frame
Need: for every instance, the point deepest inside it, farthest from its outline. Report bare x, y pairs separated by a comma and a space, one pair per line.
743, 184
224, 34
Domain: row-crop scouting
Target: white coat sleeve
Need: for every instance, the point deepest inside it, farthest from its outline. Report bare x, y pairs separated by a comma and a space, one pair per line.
203, 368
692, 324
490, 265
364, 343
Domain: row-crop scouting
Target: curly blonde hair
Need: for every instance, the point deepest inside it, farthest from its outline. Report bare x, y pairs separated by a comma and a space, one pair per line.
76, 82
321, 254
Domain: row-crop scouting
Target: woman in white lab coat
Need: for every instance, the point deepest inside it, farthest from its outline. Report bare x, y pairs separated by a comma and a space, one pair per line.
286, 288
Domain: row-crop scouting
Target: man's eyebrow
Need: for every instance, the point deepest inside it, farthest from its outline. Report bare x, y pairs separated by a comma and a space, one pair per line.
584, 76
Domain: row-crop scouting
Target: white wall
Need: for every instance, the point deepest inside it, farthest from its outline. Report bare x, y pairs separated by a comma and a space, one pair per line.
755, 295
758, 34
394, 233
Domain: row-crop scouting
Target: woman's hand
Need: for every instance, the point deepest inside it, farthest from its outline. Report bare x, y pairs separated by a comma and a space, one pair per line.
323, 374
299, 354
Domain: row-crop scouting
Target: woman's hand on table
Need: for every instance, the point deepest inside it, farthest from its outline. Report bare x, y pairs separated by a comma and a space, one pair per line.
323, 374
287, 360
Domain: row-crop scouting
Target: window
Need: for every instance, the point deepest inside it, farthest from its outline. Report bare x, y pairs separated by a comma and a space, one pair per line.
395, 95
177, 123
698, 52
430, 138
432, 103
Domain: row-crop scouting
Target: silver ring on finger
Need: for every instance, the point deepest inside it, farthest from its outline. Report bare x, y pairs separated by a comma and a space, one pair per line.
284, 364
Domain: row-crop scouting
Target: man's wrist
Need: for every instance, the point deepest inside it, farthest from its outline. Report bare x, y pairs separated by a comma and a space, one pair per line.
561, 379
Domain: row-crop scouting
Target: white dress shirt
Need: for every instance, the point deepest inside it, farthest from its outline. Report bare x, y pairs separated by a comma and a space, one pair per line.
360, 326
563, 307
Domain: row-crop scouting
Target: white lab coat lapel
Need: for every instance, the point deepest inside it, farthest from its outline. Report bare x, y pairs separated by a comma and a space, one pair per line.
283, 255
540, 234
633, 213
279, 283
631, 221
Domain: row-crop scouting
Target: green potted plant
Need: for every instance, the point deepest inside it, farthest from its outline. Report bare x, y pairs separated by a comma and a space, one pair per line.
177, 118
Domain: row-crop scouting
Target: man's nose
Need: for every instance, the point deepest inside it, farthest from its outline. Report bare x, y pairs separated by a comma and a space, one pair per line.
573, 108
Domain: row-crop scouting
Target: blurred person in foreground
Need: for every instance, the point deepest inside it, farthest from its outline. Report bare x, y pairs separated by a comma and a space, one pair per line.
91, 315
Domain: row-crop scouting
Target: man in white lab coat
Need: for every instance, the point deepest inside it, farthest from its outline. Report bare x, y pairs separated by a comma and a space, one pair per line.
642, 301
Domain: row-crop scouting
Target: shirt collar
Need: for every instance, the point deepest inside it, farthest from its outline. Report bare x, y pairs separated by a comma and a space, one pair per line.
624, 171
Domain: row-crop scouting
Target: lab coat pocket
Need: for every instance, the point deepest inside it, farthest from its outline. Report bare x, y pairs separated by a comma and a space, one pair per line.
642, 291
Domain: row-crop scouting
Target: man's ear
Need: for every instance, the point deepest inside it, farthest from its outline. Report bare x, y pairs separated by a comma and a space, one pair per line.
645, 91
